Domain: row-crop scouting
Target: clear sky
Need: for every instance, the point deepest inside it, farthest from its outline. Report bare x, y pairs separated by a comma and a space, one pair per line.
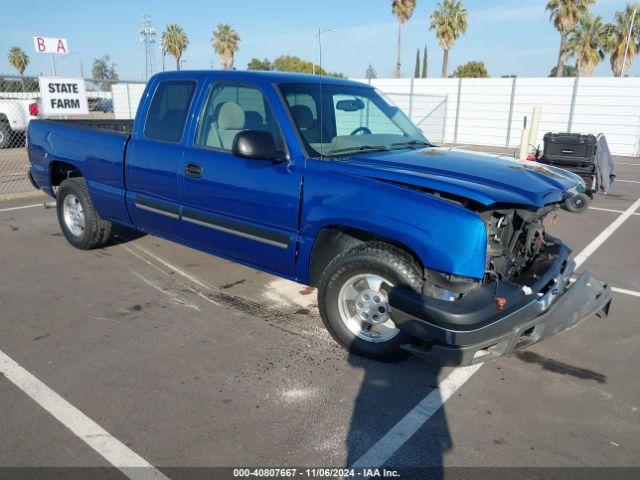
510, 36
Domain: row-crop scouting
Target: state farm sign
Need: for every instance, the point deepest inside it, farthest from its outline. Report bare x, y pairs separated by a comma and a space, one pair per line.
50, 45
63, 96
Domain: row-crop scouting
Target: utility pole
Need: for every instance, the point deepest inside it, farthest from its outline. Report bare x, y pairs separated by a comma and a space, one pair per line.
148, 37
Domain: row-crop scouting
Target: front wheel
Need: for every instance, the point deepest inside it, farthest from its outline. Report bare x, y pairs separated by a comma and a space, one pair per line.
353, 298
79, 221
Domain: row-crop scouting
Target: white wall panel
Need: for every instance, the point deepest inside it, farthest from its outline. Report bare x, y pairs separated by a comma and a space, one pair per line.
602, 105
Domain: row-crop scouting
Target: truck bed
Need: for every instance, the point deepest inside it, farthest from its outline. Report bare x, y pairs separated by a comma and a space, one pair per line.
94, 147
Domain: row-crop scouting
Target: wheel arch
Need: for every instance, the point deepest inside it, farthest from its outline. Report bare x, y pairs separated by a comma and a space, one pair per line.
333, 240
60, 170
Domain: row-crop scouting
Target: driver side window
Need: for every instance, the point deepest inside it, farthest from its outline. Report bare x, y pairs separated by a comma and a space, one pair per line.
231, 109
367, 119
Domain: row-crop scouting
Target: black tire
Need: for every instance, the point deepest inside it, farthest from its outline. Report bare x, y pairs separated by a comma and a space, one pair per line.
381, 259
578, 203
96, 231
6, 135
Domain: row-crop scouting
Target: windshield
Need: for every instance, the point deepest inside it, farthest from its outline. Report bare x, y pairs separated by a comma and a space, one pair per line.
338, 120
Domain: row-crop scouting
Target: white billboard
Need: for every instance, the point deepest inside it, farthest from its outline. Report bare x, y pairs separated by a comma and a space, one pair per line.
63, 96
50, 45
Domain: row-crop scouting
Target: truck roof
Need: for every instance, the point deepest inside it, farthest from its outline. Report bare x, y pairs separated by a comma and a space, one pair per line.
262, 75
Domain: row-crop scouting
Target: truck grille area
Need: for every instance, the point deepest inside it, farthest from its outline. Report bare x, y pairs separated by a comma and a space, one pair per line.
515, 237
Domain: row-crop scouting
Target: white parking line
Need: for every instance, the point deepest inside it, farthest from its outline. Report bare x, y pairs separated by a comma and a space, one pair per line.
384, 449
11, 209
114, 451
610, 210
626, 292
606, 233
626, 181
399, 434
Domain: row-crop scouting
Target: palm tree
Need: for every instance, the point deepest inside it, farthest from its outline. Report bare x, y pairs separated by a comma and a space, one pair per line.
18, 60
616, 38
565, 15
450, 20
225, 43
403, 10
586, 43
175, 41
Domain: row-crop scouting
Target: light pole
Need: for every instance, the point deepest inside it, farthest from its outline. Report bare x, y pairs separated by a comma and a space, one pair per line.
626, 49
318, 36
79, 61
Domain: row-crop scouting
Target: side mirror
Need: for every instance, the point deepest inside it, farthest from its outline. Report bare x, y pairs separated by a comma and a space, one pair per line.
257, 145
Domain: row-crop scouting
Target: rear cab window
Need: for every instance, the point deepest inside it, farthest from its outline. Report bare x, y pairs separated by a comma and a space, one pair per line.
168, 110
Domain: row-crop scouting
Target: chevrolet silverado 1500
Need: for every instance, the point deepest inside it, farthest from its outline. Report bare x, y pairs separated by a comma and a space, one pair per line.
325, 182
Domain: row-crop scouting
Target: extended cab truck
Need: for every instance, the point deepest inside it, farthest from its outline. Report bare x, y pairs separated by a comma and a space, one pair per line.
325, 182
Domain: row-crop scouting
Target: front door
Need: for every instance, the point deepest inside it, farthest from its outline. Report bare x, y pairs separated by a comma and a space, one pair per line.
242, 208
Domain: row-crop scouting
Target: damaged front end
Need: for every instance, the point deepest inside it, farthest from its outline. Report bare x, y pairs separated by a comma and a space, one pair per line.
526, 295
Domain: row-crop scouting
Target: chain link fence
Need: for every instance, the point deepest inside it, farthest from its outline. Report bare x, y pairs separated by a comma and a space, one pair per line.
20, 103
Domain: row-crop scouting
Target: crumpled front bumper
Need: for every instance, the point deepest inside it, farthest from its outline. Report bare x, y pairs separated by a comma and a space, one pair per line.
474, 329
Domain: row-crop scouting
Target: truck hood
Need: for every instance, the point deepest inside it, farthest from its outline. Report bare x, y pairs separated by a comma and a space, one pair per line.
484, 178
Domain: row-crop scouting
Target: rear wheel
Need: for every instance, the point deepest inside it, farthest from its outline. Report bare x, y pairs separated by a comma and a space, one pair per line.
353, 298
79, 221
578, 203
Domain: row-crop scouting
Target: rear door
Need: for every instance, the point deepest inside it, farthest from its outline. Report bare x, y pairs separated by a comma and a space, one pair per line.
155, 157
241, 208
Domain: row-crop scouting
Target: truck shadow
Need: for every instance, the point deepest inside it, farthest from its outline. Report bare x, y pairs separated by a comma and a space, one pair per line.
121, 234
388, 393
561, 368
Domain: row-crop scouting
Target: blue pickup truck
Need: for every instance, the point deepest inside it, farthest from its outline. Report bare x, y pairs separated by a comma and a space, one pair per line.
326, 182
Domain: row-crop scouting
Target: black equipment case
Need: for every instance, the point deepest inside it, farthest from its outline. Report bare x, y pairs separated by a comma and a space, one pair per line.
573, 152
569, 150
576, 153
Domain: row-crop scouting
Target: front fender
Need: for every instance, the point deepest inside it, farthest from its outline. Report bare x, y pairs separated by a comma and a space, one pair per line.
445, 236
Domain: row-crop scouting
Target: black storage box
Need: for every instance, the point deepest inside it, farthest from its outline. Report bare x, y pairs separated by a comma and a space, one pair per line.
569, 150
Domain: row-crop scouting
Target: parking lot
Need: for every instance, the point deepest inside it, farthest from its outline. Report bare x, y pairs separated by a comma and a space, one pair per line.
156, 354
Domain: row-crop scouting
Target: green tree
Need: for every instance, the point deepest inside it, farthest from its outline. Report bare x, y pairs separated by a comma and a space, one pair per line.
450, 20
371, 73
472, 69
567, 71
586, 43
416, 72
403, 10
424, 62
564, 15
615, 41
174, 41
18, 60
291, 63
104, 71
225, 42
257, 64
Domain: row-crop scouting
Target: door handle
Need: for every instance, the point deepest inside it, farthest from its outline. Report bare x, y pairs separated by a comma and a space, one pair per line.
193, 170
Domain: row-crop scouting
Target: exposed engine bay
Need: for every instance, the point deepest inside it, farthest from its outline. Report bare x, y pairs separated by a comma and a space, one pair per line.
515, 237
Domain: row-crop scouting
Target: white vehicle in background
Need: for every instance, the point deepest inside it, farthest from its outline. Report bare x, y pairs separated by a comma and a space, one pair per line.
15, 115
